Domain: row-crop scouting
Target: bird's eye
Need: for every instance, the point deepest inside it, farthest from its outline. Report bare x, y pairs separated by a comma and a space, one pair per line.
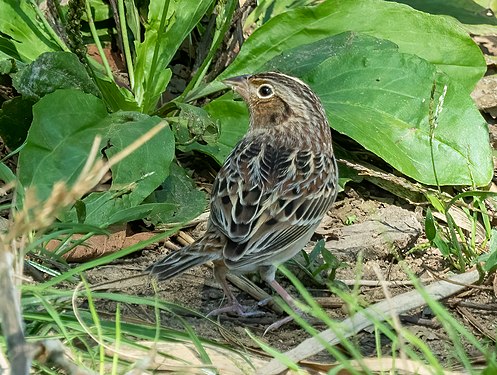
265, 91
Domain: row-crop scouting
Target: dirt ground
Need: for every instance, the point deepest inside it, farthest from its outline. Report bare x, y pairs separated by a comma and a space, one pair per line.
366, 221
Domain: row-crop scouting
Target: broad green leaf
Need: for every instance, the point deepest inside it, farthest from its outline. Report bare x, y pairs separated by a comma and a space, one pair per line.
15, 120
65, 124
177, 199
26, 33
449, 47
477, 16
51, 153
164, 34
381, 98
232, 119
52, 71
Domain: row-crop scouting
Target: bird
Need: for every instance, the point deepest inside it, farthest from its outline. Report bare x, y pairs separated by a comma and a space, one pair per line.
272, 191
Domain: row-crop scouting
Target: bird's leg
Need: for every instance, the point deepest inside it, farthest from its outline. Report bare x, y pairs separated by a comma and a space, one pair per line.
233, 305
268, 275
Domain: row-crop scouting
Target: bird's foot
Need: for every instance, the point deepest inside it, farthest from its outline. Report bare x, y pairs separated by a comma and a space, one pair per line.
236, 307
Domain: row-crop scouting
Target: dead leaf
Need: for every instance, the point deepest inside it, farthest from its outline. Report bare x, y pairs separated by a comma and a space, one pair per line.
100, 244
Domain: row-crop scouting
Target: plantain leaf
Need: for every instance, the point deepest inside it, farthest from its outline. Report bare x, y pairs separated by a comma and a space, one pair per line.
64, 126
51, 71
232, 119
178, 200
449, 48
477, 16
381, 98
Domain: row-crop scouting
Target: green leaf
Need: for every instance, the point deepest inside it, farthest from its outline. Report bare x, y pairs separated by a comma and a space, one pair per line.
164, 34
195, 124
436, 202
64, 126
477, 18
441, 245
100, 11
430, 229
132, 19
6, 174
178, 200
491, 257
8, 51
232, 119
26, 32
116, 98
381, 98
52, 71
15, 120
449, 47
47, 156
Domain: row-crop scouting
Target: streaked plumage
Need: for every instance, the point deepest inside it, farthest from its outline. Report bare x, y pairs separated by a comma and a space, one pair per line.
272, 191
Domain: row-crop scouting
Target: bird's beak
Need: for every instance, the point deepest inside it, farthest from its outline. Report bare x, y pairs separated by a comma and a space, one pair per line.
239, 84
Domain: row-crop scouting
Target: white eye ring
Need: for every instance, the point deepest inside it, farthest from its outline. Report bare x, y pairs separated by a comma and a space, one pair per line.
265, 91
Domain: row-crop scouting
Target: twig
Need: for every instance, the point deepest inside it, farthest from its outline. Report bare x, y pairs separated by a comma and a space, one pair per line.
185, 238
466, 314
473, 305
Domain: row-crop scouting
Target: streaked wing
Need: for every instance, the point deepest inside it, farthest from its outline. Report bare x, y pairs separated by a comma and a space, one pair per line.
266, 198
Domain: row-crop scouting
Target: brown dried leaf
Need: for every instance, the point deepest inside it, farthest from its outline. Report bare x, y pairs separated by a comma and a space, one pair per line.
100, 245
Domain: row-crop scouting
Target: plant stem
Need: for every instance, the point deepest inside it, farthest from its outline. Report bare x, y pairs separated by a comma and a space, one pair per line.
96, 39
127, 50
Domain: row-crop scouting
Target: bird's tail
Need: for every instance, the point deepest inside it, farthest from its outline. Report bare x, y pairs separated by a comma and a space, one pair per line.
180, 261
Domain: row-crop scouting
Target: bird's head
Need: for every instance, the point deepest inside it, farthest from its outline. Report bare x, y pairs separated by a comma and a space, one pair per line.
278, 100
